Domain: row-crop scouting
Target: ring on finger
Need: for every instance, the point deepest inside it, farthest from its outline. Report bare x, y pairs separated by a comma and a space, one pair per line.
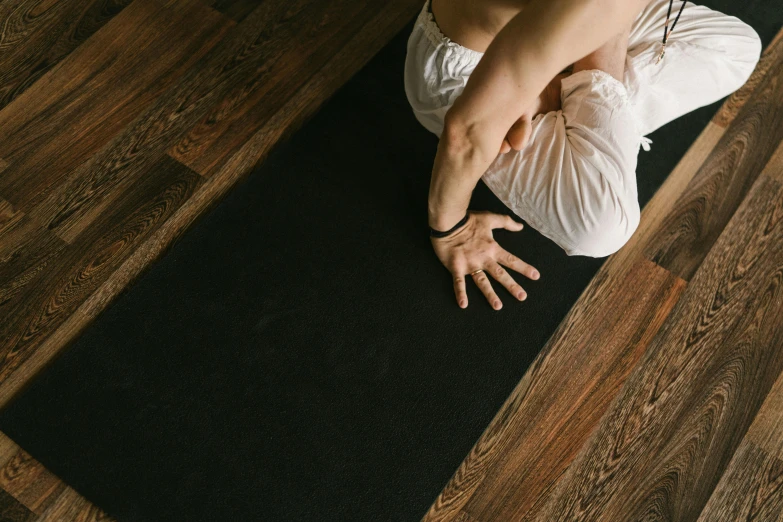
477, 271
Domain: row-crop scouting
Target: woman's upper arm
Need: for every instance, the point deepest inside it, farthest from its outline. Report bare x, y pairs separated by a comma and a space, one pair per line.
544, 38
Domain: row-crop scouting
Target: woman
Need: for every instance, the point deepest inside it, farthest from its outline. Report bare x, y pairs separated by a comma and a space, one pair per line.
556, 143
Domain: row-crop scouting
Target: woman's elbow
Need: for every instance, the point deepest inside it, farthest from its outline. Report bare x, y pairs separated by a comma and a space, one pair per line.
454, 138
478, 141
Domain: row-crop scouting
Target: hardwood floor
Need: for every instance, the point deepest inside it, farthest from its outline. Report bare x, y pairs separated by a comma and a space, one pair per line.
660, 395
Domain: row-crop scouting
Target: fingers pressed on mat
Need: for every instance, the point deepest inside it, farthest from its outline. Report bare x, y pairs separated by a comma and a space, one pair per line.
504, 278
482, 281
459, 291
508, 259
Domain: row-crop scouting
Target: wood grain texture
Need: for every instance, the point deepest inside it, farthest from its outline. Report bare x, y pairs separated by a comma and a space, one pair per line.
771, 56
46, 302
719, 186
464, 517
128, 69
72, 507
766, 432
774, 168
25, 251
562, 396
304, 102
29, 482
8, 449
752, 486
660, 450
36, 36
750, 489
238, 57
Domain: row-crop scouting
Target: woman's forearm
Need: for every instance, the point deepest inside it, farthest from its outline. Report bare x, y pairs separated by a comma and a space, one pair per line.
455, 173
526, 54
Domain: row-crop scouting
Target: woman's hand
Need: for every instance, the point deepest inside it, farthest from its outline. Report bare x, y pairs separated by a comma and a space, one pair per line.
472, 247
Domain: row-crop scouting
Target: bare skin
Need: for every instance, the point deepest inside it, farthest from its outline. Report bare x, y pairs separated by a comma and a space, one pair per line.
526, 43
474, 25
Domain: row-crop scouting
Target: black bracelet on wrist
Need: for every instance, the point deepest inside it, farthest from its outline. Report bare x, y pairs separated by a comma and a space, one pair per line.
438, 233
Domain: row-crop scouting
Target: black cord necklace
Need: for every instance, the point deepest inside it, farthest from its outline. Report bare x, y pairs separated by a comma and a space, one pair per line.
666, 27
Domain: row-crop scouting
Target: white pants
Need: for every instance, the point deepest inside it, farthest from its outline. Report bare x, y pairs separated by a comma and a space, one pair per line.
575, 180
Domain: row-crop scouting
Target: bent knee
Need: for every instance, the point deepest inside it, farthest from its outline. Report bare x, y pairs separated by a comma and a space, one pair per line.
734, 51
606, 232
745, 50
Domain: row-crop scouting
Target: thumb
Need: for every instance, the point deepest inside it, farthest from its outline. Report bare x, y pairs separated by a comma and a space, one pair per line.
520, 132
513, 225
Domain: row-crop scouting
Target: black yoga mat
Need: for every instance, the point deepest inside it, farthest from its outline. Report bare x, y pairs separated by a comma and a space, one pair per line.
298, 354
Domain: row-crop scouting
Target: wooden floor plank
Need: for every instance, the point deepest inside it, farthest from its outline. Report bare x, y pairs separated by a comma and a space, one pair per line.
750, 489
254, 64
8, 449
37, 312
774, 169
660, 449
717, 189
29, 482
37, 36
25, 251
766, 432
304, 102
752, 486
72, 507
101, 87
104, 177
464, 517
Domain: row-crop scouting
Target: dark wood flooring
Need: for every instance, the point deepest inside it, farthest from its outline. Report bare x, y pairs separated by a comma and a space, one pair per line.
660, 396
